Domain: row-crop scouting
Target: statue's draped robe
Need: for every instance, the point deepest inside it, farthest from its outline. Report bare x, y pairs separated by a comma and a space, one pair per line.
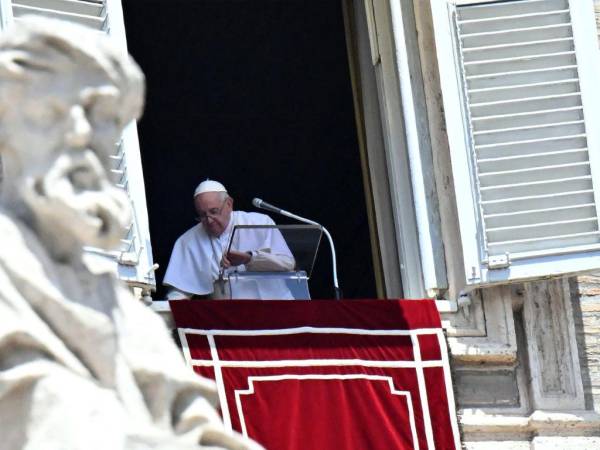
83, 365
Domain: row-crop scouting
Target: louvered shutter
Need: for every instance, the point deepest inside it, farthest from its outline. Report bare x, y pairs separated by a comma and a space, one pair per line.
6, 15
90, 13
134, 257
519, 81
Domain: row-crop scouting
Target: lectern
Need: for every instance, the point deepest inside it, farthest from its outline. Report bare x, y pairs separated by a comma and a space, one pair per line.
296, 243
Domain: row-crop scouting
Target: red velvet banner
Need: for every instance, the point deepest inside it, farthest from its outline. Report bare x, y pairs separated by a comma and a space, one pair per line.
354, 374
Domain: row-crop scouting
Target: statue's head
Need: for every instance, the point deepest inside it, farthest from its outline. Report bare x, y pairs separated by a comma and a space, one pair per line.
66, 93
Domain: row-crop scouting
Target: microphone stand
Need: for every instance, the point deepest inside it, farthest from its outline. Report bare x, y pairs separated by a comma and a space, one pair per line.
336, 286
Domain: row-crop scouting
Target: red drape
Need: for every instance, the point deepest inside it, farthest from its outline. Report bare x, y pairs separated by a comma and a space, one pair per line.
359, 374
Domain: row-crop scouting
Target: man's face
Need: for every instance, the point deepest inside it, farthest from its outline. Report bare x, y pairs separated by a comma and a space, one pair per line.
213, 212
59, 136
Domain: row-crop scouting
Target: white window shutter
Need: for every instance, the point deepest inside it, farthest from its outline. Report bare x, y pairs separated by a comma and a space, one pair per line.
90, 13
134, 257
6, 15
519, 82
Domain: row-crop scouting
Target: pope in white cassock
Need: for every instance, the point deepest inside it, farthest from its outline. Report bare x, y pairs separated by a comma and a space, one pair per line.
200, 261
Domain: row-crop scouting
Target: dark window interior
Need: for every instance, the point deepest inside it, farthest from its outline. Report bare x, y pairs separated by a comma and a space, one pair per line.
255, 94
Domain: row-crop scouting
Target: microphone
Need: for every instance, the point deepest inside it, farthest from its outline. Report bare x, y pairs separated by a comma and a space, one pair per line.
258, 203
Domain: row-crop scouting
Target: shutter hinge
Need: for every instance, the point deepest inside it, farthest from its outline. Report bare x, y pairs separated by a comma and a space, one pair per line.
499, 261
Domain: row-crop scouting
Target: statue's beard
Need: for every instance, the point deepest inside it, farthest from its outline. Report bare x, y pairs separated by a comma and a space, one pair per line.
72, 204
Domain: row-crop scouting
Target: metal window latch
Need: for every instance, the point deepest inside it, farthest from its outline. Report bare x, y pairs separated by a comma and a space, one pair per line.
146, 297
499, 261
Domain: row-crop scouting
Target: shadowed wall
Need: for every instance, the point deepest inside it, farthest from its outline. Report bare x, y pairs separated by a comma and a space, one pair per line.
257, 95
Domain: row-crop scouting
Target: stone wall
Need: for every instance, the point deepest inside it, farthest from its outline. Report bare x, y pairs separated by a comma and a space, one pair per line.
585, 294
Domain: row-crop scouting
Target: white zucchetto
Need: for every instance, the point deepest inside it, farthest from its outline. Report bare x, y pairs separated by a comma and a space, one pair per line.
209, 186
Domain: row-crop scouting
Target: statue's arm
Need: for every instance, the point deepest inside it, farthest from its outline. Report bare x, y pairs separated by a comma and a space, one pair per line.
45, 404
176, 397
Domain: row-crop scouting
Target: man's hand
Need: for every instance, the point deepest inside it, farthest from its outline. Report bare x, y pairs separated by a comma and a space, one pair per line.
235, 258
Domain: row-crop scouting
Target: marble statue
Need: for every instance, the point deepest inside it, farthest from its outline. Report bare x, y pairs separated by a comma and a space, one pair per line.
83, 365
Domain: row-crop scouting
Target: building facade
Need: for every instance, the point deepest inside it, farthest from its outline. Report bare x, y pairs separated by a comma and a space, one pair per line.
488, 94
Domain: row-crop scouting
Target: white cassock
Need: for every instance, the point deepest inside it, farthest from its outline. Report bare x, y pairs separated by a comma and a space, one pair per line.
195, 263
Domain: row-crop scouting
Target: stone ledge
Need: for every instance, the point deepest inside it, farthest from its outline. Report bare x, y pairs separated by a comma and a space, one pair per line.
540, 422
478, 351
537, 443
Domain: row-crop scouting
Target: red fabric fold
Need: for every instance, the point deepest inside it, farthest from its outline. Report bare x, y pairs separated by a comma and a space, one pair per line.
257, 314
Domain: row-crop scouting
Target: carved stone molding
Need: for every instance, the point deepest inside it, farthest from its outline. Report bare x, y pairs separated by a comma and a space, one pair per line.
552, 348
467, 321
498, 345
